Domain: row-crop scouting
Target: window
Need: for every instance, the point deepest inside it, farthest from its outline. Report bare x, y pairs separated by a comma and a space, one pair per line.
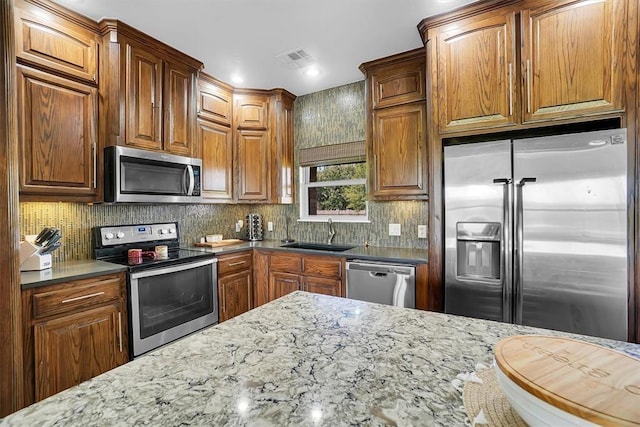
333, 183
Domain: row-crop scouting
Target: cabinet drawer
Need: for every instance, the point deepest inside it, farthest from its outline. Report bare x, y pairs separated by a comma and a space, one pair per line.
289, 263
232, 263
76, 295
326, 267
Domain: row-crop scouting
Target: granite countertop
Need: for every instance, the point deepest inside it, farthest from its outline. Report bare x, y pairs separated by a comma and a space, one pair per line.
378, 253
65, 271
304, 359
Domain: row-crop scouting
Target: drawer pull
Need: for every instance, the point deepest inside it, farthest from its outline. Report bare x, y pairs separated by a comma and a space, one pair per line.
64, 301
236, 263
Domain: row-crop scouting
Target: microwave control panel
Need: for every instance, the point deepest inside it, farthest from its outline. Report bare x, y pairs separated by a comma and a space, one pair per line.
124, 234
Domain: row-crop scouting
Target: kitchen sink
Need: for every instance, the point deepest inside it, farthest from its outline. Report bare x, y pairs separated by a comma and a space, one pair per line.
318, 246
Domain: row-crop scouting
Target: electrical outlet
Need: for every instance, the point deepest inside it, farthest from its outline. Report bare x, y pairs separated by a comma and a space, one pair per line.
270, 226
422, 232
240, 223
238, 226
394, 229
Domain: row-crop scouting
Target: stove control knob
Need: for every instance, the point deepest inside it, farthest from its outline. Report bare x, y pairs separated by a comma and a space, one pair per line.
119, 235
163, 231
172, 231
108, 236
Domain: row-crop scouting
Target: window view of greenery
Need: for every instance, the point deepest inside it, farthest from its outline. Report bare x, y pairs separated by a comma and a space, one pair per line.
336, 198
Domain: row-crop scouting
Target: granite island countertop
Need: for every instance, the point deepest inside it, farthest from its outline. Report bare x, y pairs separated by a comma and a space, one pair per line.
304, 359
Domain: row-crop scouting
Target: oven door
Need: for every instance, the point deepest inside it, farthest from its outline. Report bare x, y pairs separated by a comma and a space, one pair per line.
170, 302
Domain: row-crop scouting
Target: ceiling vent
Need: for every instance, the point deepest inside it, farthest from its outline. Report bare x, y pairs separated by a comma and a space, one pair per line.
296, 58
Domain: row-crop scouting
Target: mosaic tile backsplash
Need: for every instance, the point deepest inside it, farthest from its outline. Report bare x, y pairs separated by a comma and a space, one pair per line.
328, 117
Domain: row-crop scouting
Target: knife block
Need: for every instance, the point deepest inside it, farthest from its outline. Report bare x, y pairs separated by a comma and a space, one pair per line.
31, 260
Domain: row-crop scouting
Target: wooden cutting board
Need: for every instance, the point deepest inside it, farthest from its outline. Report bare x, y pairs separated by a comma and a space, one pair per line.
223, 242
586, 380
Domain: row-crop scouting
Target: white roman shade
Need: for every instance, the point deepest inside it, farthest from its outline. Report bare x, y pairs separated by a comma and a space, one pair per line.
334, 154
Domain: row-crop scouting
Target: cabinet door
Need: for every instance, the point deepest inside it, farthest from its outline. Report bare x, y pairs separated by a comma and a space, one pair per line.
214, 102
45, 40
216, 145
234, 294
569, 62
284, 150
399, 152
254, 166
179, 109
476, 64
321, 285
281, 284
143, 100
77, 347
58, 128
251, 111
260, 277
398, 84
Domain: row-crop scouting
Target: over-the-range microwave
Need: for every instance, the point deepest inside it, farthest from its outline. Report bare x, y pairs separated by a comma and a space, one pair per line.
132, 175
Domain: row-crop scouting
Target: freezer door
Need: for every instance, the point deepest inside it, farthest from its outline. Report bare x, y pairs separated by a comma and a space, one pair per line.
477, 188
573, 227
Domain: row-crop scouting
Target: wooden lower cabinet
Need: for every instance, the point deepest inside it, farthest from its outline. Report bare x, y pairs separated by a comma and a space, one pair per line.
73, 331
235, 284
74, 348
279, 273
234, 293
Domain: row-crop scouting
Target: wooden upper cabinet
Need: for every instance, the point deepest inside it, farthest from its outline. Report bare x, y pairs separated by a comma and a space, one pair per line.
143, 99
475, 66
396, 120
283, 147
251, 111
179, 109
399, 151
150, 95
570, 64
253, 165
399, 84
215, 100
58, 131
46, 40
216, 145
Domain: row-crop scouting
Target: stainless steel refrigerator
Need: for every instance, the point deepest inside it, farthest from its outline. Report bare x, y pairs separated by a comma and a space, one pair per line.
536, 232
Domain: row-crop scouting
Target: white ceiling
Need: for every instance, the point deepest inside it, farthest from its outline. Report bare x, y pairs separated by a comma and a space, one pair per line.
245, 36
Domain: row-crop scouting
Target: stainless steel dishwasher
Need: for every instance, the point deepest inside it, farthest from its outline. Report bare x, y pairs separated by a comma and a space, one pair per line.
384, 283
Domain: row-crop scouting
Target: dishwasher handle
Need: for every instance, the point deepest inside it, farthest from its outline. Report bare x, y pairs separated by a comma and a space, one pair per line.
378, 274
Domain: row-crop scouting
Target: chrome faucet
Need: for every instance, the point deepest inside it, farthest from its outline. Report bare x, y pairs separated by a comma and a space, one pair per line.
331, 232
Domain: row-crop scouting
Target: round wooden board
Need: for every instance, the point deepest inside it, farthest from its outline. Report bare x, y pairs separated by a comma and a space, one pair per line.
586, 380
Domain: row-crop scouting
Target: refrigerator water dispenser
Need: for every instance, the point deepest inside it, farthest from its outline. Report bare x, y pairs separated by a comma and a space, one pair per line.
478, 247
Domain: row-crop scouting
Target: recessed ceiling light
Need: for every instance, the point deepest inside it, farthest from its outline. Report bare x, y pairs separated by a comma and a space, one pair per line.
236, 78
312, 71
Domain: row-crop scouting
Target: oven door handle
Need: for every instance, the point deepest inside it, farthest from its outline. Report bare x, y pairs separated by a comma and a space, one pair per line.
172, 269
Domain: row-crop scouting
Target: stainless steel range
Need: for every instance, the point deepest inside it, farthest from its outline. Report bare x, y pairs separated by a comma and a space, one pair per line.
172, 292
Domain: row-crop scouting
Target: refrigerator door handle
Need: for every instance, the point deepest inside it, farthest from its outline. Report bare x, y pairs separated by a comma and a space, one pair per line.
518, 250
505, 249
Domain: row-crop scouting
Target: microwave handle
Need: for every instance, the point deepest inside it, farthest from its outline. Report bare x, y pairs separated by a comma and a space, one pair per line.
192, 180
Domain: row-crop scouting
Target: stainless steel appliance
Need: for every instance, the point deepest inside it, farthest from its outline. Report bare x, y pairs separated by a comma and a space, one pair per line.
254, 227
169, 297
391, 284
132, 175
536, 232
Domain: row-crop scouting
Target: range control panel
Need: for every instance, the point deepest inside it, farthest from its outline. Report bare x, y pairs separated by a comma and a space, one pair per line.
125, 234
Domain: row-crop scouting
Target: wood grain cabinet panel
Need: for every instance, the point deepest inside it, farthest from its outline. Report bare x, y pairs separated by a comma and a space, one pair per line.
216, 148
58, 137
72, 332
251, 111
399, 84
399, 151
475, 74
179, 109
215, 100
253, 165
322, 266
281, 284
234, 294
75, 348
48, 41
322, 285
569, 59
143, 103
